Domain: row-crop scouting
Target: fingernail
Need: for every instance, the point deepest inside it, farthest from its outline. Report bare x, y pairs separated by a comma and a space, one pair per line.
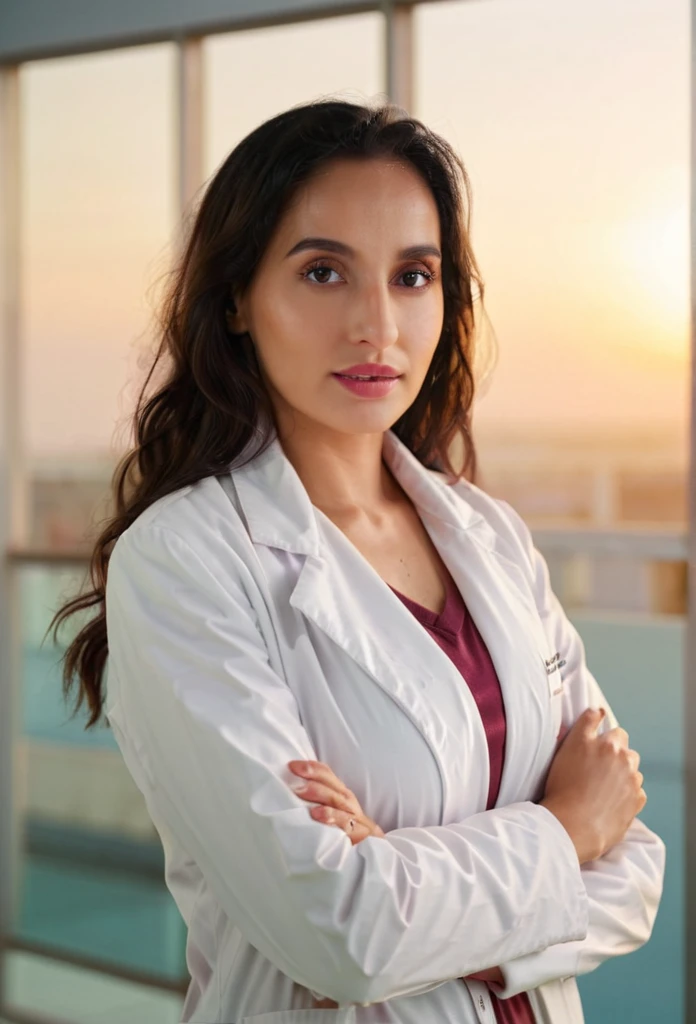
298, 786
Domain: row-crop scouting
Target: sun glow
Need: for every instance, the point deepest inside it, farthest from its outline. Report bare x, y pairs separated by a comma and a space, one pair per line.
650, 256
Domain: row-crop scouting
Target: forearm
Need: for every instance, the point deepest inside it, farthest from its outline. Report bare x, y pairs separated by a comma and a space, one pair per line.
624, 888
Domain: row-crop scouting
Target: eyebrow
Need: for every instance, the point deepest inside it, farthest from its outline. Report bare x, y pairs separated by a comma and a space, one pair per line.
411, 252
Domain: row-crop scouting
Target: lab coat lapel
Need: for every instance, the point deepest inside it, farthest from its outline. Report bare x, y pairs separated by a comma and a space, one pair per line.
345, 598
337, 590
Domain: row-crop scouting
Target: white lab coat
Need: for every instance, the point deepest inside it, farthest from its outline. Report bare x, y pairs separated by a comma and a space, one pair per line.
246, 631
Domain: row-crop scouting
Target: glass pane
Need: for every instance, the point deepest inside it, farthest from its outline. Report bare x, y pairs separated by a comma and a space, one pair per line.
631, 657
579, 162
317, 58
573, 122
98, 212
92, 873
37, 986
98, 218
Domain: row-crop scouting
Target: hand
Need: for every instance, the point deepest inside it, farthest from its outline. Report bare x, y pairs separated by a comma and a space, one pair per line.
337, 804
594, 787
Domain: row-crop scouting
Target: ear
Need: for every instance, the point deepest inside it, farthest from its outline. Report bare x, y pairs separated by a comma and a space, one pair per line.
235, 316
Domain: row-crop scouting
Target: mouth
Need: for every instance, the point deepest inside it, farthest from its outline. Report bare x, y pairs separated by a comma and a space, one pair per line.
365, 385
361, 376
369, 371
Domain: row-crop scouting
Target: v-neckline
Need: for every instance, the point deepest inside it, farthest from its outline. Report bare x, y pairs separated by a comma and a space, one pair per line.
449, 620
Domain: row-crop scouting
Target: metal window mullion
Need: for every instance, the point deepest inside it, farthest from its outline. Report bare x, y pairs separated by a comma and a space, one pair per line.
13, 502
689, 958
399, 55
189, 124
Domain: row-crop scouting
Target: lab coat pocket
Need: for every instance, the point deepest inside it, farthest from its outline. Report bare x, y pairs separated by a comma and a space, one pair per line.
346, 1015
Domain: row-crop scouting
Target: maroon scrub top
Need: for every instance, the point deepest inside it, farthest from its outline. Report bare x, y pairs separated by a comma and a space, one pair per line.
456, 633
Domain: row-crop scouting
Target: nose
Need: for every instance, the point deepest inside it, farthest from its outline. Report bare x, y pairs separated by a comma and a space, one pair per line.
373, 317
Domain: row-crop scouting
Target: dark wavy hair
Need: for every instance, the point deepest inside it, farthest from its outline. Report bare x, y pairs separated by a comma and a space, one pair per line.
211, 409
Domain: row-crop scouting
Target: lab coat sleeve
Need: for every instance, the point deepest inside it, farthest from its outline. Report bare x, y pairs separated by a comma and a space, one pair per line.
625, 885
207, 728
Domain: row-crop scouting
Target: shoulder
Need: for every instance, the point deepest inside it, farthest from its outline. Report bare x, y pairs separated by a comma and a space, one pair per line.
199, 521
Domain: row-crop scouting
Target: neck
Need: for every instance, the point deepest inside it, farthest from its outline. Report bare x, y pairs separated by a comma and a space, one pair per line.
343, 474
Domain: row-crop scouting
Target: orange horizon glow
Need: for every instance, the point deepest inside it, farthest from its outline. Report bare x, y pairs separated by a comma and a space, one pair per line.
579, 165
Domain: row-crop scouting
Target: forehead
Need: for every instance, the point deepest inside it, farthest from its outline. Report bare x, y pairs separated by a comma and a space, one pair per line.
349, 197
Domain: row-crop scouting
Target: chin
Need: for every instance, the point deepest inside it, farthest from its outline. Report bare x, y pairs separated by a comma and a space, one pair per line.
364, 421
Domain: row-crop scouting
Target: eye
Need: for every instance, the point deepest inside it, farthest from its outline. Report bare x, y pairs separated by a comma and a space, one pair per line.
319, 268
419, 273
320, 273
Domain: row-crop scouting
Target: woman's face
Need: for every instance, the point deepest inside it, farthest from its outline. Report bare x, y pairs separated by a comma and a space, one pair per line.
336, 289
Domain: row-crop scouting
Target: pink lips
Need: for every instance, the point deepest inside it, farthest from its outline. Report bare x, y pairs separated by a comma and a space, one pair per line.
377, 388
383, 379
371, 370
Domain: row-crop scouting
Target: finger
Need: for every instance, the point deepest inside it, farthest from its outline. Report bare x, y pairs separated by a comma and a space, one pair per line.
318, 793
317, 771
633, 758
306, 768
341, 819
590, 720
617, 737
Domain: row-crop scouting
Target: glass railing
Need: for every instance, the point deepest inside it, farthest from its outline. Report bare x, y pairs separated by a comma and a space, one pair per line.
637, 656
639, 665
91, 898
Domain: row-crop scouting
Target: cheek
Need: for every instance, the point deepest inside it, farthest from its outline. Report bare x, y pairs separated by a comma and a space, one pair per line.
296, 347
422, 330
287, 334
294, 323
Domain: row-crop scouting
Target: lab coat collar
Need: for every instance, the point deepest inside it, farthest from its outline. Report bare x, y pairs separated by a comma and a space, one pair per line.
280, 514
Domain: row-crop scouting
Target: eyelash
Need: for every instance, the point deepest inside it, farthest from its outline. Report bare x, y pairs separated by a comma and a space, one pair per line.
323, 265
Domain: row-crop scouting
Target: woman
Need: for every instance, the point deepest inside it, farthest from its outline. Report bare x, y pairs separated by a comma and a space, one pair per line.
303, 587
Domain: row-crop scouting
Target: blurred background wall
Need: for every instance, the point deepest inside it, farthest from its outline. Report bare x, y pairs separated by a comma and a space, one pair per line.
573, 121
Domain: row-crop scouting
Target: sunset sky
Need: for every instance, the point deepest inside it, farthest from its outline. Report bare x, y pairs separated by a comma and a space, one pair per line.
572, 120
